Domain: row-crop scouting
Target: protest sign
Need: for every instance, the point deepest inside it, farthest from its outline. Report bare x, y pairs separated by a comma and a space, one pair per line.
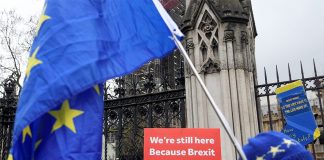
300, 122
181, 144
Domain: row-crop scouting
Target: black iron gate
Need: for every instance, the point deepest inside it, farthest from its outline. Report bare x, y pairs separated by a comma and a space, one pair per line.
270, 116
8, 100
126, 118
152, 97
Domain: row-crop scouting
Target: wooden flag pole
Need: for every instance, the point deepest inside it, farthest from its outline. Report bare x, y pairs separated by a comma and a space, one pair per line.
211, 100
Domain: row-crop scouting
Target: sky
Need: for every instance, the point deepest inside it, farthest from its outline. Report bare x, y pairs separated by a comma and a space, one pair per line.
25, 8
289, 31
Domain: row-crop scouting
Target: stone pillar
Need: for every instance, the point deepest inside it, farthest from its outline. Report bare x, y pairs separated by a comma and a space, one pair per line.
224, 57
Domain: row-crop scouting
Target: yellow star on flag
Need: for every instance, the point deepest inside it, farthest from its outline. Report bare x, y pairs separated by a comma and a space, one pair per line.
32, 62
42, 19
260, 158
26, 131
37, 144
288, 142
275, 150
10, 157
96, 87
65, 116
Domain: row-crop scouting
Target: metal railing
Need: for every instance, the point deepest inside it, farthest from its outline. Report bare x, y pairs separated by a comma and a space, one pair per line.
270, 115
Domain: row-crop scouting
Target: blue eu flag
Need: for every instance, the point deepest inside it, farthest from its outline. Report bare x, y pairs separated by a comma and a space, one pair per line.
78, 45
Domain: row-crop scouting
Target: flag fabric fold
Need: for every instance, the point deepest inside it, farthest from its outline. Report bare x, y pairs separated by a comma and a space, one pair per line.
72, 130
79, 44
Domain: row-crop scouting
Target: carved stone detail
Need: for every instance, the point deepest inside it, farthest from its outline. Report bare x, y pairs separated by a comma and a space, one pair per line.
244, 37
190, 44
203, 51
210, 66
207, 25
214, 44
203, 46
229, 35
188, 71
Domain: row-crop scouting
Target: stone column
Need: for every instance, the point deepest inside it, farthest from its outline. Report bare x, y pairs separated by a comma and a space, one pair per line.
222, 55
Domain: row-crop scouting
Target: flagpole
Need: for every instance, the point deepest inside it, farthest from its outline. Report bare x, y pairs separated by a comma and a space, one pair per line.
211, 100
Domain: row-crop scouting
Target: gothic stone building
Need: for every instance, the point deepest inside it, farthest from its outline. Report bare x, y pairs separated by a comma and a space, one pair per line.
220, 40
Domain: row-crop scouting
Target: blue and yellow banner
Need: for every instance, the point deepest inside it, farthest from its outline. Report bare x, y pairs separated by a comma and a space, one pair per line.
300, 121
